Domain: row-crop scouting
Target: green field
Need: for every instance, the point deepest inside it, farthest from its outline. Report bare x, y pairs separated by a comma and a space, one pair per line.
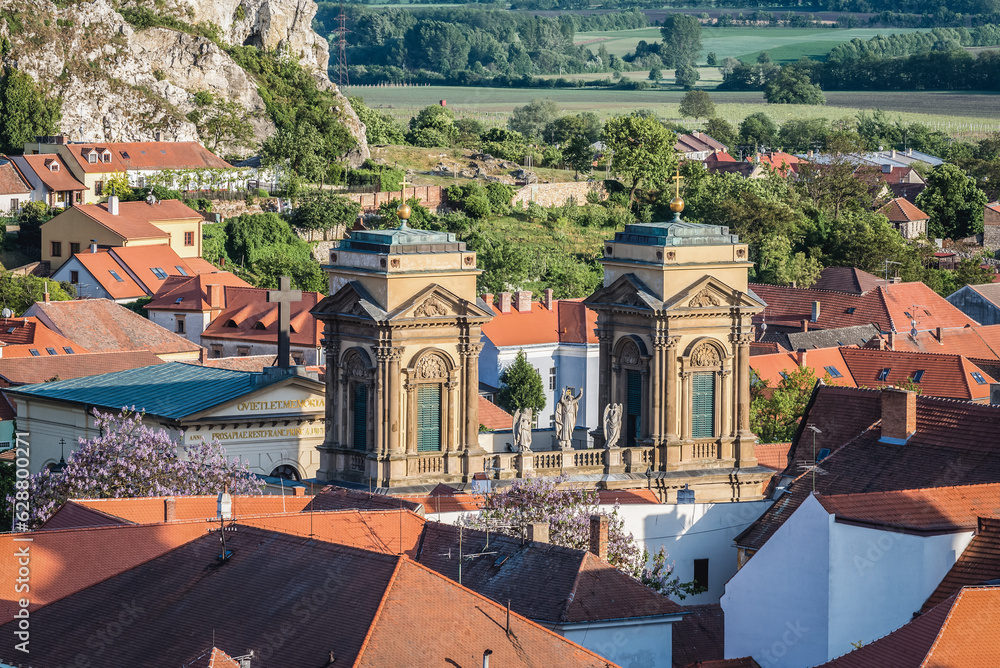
963, 115
783, 44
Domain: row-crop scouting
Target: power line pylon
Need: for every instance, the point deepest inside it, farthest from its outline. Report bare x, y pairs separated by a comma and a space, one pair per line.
343, 79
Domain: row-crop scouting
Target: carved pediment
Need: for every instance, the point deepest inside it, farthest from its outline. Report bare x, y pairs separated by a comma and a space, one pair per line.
628, 291
436, 302
703, 299
710, 293
352, 300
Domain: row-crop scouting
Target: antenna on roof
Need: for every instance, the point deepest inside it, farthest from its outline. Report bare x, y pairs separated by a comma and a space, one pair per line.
887, 263
813, 466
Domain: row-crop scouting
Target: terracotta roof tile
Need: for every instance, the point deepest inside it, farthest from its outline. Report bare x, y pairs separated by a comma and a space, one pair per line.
981, 342
28, 370
899, 210
191, 291
150, 510
822, 361
212, 658
255, 318
127, 156
492, 416
766, 348
772, 455
388, 532
895, 175
332, 497
937, 375
100, 325
699, 636
137, 220
60, 180
626, 497
847, 279
979, 563
569, 321
202, 266
11, 182
22, 335
100, 265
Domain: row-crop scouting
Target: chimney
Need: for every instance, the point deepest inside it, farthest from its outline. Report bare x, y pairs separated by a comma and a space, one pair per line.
538, 532
895, 280
93, 245
800, 357
886, 169
940, 336
809, 153
815, 313
488, 298
298, 491
547, 298
169, 509
891, 341
522, 301
899, 415
488, 653
892, 153
805, 325
909, 152
46, 292
505, 302
113, 203
599, 536
158, 135
216, 296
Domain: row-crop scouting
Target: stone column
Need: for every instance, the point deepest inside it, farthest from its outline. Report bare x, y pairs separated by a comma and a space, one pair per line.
471, 359
411, 416
672, 395
605, 338
382, 397
333, 424
745, 439
394, 354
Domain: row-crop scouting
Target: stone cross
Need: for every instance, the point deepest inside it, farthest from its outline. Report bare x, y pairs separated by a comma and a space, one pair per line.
284, 296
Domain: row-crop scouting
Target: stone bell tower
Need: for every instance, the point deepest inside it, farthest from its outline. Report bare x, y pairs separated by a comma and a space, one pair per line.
401, 335
674, 325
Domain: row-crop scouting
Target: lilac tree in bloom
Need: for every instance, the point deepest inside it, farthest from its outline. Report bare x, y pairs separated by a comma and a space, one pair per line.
130, 459
568, 511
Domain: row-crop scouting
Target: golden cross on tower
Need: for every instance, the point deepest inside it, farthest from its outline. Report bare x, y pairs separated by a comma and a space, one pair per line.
677, 181
677, 204
403, 210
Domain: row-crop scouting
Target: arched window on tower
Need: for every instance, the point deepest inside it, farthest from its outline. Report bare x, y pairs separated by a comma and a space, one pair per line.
703, 404
429, 418
359, 424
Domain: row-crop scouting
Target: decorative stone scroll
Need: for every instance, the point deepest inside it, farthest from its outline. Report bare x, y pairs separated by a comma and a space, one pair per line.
703, 299
430, 366
431, 307
705, 355
629, 354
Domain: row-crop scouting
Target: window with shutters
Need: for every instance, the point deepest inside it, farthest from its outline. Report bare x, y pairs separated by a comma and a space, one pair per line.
359, 437
429, 417
633, 407
703, 405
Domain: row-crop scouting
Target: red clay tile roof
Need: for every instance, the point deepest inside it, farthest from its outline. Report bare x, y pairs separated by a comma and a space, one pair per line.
783, 163
202, 266
699, 636
212, 658
934, 509
388, 532
256, 319
492, 416
22, 335
625, 497
772, 455
953, 444
137, 220
173, 604
150, 510
141, 260
978, 564
59, 180
982, 342
896, 175
887, 307
899, 210
11, 182
569, 321
697, 142
847, 279
100, 265
961, 631
28, 370
332, 497
770, 367
766, 348
100, 325
191, 291
720, 156
148, 156
943, 375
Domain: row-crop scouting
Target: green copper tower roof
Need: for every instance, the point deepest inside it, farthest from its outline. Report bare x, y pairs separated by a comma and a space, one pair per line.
401, 240
676, 233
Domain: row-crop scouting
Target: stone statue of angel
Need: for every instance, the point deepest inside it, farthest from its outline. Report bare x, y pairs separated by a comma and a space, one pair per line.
566, 410
612, 424
522, 430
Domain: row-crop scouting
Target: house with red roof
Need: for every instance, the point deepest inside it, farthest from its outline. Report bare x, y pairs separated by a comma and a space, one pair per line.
861, 565
188, 304
936, 374
14, 188
824, 362
558, 339
908, 220
699, 146
784, 164
247, 324
93, 164
51, 180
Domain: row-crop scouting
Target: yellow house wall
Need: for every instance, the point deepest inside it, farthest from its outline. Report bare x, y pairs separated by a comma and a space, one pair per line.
74, 226
176, 230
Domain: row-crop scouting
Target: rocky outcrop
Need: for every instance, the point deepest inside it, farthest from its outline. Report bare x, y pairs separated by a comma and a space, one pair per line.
120, 84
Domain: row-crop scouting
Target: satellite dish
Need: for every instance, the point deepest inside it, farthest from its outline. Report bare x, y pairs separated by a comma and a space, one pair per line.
763, 327
6, 313
913, 332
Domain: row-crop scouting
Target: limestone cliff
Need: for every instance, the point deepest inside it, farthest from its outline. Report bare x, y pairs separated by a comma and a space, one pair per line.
123, 84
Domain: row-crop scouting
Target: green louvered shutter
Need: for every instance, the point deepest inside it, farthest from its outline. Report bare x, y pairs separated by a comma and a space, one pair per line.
633, 407
428, 418
360, 417
703, 405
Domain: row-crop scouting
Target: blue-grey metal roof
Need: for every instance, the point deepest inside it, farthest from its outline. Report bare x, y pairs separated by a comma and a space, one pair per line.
401, 240
676, 233
173, 390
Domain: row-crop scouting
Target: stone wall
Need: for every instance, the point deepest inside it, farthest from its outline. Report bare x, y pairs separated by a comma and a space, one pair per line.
429, 196
991, 228
557, 194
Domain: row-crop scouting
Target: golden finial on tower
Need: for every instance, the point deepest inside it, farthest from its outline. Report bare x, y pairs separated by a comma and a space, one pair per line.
677, 204
403, 210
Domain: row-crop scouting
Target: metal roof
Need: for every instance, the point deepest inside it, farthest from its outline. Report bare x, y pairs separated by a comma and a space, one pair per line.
173, 390
676, 233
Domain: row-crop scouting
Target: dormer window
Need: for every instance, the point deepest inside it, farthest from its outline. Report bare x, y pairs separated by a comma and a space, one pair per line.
53, 166
231, 323
106, 157
259, 325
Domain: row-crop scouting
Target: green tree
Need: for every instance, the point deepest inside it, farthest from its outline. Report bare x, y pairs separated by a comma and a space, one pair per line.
118, 183
763, 58
504, 144
681, 40
697, 104
323, 210
380, 128
686, 75
580, 155
532, 119
792, 86
775, 412
643, 150
722, 131
222, 121
953, 202
521, 386
30, 220
655, 75
19, 293
433, 123
299, 150
778, 265
758, 130
25, 111
711, 59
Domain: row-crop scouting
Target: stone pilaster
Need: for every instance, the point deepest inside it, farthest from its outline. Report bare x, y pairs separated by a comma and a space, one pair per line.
745, 439
394, 354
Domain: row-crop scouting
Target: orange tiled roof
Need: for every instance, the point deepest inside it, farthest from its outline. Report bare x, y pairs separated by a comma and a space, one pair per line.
142, 260
100, 325
950, 376
979, 563
136, 220
248, 316
150, 510
899, 210
772, 455
22, 335
783, 163
59, 180
626, 497
981, 342
927, 509
388, 532
896, 175
212, 658
202, 266
568, 321
100, 265
333, 497
770, 367
191, 291
720, 156
28, 370
11, 182
148, 155
847, 279
961, 631
492, 416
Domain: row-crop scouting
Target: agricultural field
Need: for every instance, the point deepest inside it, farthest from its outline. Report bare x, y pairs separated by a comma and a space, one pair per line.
783, 44
963, 115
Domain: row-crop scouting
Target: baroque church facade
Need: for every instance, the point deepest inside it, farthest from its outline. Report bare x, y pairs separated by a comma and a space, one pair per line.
402, 339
